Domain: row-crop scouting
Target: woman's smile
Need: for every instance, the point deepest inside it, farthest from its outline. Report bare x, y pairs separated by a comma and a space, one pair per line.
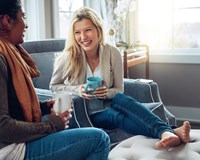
86, 35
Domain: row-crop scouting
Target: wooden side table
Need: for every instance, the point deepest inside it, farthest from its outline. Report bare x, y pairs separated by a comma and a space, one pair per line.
134, 56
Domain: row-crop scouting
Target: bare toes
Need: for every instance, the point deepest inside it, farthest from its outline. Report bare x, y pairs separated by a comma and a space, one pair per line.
183, 132
167, 141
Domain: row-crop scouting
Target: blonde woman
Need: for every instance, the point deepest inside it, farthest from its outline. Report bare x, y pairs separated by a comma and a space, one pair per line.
86, 54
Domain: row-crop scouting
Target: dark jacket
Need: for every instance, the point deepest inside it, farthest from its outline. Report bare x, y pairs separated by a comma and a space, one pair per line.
13, 128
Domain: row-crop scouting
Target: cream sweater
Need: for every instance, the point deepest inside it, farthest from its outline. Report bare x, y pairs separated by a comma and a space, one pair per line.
110, 64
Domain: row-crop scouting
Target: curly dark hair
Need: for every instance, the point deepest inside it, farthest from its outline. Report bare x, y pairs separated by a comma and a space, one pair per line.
10, 8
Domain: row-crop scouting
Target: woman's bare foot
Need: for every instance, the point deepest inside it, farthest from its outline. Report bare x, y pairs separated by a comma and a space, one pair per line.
168, 140
183, 132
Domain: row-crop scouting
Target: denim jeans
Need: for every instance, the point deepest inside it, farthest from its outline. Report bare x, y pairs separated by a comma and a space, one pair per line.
131, 116
72, 144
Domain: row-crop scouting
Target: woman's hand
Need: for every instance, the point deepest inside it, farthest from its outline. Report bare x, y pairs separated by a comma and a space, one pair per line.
50, 102
65, 116
85, 95
46, 106
101, 92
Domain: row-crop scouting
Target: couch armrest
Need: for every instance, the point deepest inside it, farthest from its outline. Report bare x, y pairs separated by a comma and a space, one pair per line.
171, 117
146, 93
143, 92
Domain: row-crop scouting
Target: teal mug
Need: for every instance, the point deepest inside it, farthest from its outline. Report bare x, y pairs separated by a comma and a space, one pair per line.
93, 82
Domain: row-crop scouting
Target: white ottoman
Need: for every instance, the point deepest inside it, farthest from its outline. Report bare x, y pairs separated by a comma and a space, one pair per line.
143, 148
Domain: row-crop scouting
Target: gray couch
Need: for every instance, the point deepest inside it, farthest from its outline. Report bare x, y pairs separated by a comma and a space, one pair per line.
44, 51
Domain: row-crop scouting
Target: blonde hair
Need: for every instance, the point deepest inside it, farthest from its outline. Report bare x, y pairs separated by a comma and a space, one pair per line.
74, 64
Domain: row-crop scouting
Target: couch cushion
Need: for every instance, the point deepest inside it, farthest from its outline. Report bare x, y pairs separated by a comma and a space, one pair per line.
43, 52
143, 148
45, 63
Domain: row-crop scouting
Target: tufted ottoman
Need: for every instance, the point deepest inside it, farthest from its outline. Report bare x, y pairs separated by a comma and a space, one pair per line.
143, 148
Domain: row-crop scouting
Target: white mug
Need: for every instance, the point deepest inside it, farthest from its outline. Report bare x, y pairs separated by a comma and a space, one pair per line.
63, 101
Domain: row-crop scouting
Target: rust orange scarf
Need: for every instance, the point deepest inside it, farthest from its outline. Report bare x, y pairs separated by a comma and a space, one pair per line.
23, 69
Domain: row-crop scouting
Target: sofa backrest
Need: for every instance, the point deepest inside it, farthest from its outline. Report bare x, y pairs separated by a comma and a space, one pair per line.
44, 52
46, 45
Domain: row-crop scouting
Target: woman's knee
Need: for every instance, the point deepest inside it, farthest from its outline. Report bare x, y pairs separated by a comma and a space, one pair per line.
121, 99
92, 134
101, 135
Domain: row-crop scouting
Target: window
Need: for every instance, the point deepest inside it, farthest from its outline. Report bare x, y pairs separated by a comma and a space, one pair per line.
169, 24
36, 19
49, 19
66, 8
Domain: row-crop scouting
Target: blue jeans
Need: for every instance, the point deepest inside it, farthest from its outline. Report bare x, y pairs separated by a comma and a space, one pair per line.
131, 116
72, 144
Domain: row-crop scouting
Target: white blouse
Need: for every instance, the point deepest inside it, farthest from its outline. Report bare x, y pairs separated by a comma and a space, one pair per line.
97, 72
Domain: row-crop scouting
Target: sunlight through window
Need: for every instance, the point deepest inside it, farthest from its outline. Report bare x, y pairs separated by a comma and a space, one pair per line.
66, 8
169, 23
